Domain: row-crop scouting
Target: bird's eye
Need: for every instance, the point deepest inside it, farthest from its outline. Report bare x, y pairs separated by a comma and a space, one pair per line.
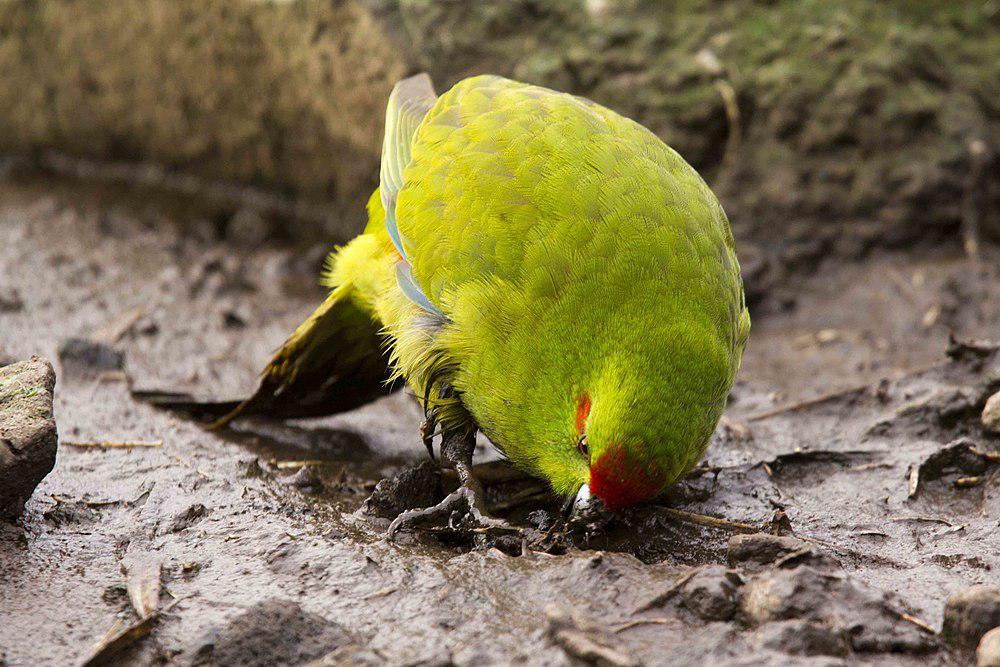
581, 444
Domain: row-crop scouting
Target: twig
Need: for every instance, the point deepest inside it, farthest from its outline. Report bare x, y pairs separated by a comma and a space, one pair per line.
295, 465
728, 94
114, 332
869, 466
970, 212
922, 519
381, 593
710, 521
117, 640
808, 403
112, 444
992, 458
926, 627
642, 621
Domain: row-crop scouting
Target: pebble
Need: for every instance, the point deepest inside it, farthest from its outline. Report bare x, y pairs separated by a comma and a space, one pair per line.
991, 414
988, 653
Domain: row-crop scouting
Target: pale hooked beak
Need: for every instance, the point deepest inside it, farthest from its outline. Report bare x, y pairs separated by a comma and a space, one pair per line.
586, 508
582, 500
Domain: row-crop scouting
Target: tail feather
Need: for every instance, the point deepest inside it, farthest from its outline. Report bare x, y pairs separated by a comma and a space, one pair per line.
335, 361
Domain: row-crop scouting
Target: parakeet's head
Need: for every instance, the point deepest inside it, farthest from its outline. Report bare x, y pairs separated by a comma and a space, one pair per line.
610, 397
637, 435
642, 418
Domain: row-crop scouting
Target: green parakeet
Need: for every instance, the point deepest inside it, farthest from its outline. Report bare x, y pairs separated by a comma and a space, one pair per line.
543, 270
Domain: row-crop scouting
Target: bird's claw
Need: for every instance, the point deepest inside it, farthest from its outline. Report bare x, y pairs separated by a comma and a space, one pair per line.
464, 500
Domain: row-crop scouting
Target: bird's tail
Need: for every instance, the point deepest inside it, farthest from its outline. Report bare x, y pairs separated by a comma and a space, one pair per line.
335, 361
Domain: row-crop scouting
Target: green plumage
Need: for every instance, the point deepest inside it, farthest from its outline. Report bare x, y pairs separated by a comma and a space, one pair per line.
586, 275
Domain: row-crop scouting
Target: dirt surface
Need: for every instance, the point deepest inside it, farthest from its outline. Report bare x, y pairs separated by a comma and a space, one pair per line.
225, 547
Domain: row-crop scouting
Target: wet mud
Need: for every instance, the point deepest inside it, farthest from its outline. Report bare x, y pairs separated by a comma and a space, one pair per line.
855, 487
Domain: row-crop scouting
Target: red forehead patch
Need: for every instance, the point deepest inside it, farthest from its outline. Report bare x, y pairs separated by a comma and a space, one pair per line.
582, 412
620, 480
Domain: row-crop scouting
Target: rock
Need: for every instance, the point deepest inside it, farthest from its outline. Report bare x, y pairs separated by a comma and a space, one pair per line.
755, 551
991, 414
417, 486
835, 601
988, 653
970, 614
27, 431
798, 637
274, 632
712, 593
81, 358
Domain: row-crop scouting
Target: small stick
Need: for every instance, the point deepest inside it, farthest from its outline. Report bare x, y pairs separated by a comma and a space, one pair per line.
381, 593
710, 521
642, 621
728, 94
992, 458
924, 519
808, 403
111, 444
123, 326
926, 627
969, 210
295, 465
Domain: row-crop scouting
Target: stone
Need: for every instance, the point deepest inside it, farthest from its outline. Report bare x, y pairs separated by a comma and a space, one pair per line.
836, 601
988, 653
712, 593
991, 414
970, 614
755, 551
28, 437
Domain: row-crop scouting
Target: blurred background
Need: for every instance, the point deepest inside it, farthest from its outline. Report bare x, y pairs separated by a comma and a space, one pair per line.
174, 172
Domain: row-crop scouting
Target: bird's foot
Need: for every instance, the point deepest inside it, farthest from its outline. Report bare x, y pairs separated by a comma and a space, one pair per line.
462, 510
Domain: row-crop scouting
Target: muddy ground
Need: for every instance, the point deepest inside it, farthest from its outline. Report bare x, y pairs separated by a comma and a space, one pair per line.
850, 426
